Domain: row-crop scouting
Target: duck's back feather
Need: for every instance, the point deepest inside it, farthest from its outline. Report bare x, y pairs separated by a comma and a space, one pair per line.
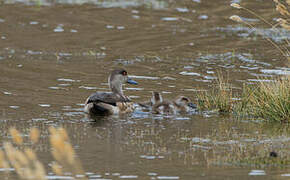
105, 97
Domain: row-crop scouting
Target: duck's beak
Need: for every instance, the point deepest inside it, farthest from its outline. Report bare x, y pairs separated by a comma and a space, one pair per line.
193, 106
130, 81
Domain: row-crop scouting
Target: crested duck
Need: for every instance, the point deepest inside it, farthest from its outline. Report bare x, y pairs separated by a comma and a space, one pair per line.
114, 102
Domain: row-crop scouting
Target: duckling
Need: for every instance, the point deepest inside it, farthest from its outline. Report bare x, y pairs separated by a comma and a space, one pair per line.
114, 102
180, 104
156, 98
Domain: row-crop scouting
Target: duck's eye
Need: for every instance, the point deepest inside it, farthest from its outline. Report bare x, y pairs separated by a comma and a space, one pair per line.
124, 73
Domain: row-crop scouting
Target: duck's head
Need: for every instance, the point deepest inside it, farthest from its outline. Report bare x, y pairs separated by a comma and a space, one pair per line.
184, 101
117, 78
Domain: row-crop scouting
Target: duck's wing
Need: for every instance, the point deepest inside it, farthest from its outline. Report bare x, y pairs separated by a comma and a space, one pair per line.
105, 97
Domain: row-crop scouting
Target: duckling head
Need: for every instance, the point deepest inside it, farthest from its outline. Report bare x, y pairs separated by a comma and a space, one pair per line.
183, 101
156, 98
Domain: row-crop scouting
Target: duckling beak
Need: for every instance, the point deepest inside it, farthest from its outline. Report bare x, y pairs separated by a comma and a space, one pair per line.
130, 81
193, 106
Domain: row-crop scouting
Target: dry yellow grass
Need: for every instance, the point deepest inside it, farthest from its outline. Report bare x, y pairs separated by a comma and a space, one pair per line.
34, 135
26, 163
16, 136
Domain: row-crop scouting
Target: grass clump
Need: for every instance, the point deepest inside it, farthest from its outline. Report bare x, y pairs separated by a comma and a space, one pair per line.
267, 100
219, 98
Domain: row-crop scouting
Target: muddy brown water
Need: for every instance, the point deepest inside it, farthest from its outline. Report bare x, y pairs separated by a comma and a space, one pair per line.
53, 54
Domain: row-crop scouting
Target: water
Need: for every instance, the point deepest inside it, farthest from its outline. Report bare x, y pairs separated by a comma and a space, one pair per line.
53, 56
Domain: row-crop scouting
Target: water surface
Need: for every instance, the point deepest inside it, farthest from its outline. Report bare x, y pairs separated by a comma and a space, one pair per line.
53, 54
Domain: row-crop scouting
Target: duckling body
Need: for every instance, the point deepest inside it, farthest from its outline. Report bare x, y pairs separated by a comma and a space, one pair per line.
115, 102
181, 104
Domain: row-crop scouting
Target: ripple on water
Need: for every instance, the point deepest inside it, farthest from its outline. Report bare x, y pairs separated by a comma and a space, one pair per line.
182, 118
128, 177
144, 77
260, 80
110, 26
152, 174
134, 89
257, 173
44, 105
67, 80
95, 176
203, 17
120, 27
189, 73
6, 169
277, 36
167, 177
59, 28
39, 119
151, 157
33, 22
169, 19
7, 93
276, 71
200, 140
14, 107
59, 177
183, 10
88, 87
64, 85
55, 88
210, 77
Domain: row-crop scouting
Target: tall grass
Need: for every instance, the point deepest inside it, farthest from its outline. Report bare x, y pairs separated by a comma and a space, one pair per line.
25, 162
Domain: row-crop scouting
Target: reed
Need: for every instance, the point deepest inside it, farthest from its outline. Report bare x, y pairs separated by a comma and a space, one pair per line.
63, 153
25, 162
